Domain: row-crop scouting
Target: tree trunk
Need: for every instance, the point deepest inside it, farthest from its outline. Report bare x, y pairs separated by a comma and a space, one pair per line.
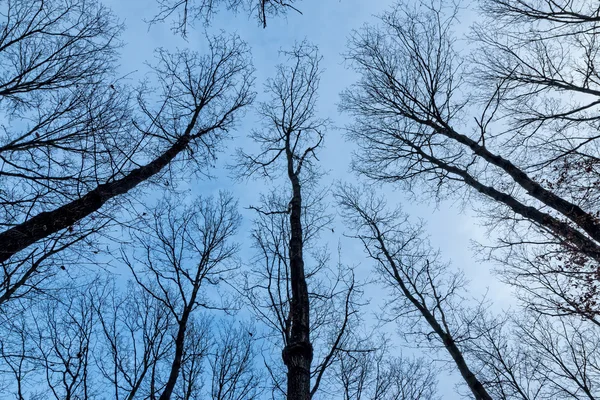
47, 223
468, 376
587, 222
176, 364
562, 229
298, 353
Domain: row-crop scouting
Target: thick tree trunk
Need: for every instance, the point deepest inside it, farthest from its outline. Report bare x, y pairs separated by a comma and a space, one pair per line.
589, 223
47, 223
298, 353
562, 229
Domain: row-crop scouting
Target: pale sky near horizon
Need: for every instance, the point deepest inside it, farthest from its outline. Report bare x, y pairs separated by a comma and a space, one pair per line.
328, 25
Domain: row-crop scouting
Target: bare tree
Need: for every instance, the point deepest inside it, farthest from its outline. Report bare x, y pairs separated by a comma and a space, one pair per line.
148, 340
53, 45
423, 290
188, 12
56, 60
101, 340
288, 142
75, 141
47, 346
533, 356
231, 363
372, 374
333, 294
133, 337
182, 250
525, 355
531, 151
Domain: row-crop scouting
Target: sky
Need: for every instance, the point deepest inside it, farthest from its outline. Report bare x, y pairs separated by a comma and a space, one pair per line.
327, 24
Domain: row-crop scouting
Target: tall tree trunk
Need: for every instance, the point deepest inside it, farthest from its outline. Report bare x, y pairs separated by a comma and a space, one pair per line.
47, 223
562, 229
585, 220
298, 353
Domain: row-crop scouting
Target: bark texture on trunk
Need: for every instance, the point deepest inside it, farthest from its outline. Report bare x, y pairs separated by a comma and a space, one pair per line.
583, 219
562, 229
47, 223
298, 353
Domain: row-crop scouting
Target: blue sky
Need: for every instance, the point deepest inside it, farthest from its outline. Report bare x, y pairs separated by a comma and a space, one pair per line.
326, 24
